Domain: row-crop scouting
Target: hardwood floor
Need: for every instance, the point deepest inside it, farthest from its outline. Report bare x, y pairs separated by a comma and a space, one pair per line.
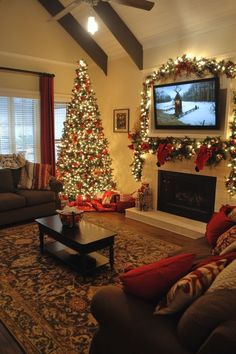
8, 345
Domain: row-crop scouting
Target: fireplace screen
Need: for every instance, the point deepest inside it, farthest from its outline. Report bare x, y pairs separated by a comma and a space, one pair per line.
188, 195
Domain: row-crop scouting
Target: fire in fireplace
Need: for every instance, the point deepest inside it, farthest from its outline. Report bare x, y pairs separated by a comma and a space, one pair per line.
185, 194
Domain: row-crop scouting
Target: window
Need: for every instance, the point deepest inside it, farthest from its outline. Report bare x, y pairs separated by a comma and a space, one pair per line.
59, 118
20, 126
19, 122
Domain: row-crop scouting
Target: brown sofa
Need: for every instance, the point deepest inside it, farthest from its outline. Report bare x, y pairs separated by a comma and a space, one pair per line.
127, 324
18, 205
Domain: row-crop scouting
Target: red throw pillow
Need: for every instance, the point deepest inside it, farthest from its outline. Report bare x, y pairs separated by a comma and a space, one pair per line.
218, 224
228, 256
153, 280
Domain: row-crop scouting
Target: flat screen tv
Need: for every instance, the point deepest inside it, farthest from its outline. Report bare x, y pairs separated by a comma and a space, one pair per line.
187, 105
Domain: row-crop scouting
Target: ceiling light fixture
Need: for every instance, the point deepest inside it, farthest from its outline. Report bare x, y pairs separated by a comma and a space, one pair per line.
92, 25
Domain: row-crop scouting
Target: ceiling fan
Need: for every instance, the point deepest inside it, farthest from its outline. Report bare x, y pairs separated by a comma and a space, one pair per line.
139, 4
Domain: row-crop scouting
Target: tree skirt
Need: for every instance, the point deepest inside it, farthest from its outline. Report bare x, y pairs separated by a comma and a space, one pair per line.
44, 303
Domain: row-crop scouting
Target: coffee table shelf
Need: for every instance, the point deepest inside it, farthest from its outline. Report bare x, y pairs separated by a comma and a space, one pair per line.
72, 258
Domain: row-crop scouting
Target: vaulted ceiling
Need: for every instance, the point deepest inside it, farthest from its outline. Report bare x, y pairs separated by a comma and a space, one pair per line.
126, 30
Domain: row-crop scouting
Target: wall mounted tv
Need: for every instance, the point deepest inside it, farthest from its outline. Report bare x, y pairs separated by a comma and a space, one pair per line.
187, 105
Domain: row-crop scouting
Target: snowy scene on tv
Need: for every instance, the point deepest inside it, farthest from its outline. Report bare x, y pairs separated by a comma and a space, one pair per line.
185, 104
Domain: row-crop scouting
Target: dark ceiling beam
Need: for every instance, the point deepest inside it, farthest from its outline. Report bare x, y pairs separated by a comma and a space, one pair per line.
122, 33
78, 33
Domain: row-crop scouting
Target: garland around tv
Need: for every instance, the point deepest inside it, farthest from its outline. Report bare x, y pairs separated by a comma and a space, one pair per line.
209, 151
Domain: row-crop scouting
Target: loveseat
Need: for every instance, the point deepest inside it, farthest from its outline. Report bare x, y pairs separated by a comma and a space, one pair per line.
127, 323
18, 204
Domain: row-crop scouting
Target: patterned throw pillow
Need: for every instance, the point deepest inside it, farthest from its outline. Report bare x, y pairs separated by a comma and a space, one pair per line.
225, 240
12, 160
225, 280
229, 249
189, 288
35, 176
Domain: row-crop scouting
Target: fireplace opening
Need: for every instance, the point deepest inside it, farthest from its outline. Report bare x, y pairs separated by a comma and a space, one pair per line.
185, 194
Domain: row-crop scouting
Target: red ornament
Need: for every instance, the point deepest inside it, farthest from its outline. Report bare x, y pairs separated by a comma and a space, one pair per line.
163, 152
75, 139
79, 185
130, 135
131, 146
145, 146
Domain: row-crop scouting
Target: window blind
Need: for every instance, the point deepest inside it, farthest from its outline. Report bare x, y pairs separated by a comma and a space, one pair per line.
20, 127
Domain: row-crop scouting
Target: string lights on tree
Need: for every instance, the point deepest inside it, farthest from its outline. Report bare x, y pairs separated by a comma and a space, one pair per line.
209, 151
84, 164
231, 180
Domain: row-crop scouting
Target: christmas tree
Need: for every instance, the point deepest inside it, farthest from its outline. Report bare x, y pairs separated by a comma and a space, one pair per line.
84, 164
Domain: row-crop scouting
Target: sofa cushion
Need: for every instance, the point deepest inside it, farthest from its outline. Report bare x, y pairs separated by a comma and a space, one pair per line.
153, 280
6, 181
16, 172
35, 176
130, 326
225, 240
219, 223
34, 197
10, 201
204, 315
189, 288
226, 279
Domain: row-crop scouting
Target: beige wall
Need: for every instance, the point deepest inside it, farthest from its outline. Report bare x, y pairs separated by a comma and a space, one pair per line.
28, 40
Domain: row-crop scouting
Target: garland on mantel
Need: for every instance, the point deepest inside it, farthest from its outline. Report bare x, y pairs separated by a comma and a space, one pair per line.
209, 151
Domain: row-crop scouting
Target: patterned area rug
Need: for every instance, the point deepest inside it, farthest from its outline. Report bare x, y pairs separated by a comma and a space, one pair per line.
44, 303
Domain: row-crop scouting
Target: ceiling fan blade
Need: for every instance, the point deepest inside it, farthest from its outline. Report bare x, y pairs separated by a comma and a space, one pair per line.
140, 4
66, 10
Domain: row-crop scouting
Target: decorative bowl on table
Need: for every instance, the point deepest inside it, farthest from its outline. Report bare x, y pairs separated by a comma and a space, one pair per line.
70, 216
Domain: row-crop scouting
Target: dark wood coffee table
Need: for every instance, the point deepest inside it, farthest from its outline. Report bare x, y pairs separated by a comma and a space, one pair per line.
77, 246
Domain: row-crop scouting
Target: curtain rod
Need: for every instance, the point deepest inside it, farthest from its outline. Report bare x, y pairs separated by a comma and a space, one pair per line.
26, 71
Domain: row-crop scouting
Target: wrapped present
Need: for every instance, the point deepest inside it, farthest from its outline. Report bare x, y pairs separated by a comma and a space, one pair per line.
126, 197
103, 207
109, 197
122, 205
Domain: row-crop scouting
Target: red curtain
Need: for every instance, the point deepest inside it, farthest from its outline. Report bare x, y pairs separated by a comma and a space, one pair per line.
47, 120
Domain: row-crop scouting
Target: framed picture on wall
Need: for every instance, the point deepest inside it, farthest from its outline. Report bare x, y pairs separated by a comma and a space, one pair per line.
121, 120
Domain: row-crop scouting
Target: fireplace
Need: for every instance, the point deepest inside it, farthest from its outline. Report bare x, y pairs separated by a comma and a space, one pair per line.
188, 195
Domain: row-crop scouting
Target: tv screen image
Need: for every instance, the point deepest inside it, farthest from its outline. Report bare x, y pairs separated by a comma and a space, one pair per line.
186, 105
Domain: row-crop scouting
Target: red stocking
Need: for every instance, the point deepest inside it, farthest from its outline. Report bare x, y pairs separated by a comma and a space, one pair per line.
203, 155
163, 152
